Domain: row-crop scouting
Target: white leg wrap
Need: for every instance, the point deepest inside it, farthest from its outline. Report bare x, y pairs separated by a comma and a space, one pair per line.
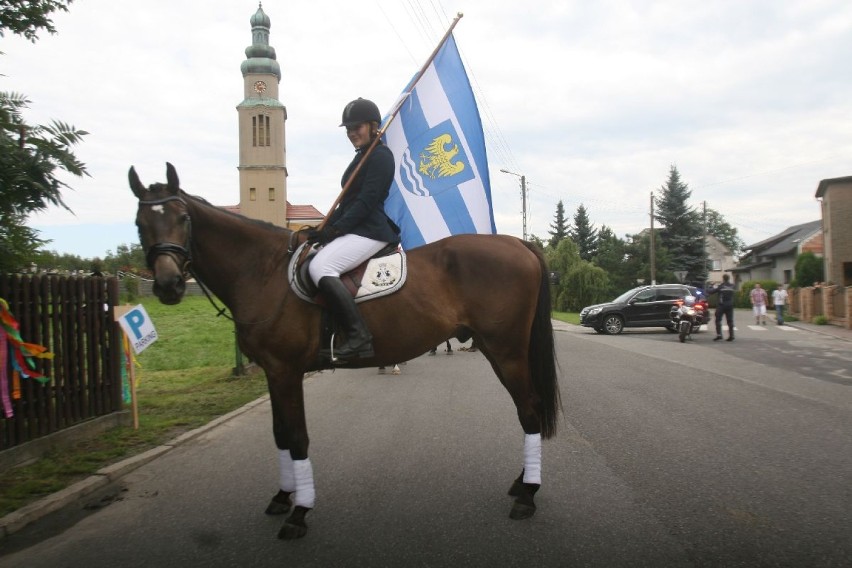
287, 479
305, 494
532, 458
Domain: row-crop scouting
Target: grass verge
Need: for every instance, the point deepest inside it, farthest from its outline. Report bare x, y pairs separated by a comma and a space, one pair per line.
184, 381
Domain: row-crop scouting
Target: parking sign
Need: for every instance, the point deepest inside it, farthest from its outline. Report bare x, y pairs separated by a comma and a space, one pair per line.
139, 328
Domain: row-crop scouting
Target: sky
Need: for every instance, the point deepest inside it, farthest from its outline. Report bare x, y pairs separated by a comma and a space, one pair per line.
593, 102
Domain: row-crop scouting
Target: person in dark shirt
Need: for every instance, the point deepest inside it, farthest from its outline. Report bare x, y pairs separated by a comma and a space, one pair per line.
724, 307
357, 228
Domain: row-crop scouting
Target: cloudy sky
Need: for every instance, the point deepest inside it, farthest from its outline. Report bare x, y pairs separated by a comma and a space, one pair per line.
592, 101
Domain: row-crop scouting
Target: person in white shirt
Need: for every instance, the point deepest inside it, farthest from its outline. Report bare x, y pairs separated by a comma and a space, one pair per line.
779, 298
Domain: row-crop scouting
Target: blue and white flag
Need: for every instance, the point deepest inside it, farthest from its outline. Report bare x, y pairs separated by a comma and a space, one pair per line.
441, 185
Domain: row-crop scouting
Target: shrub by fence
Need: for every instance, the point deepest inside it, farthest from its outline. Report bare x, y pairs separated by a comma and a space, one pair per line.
73, 318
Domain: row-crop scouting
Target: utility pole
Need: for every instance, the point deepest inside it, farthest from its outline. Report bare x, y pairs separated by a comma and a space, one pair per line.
705, 272
653, 259
523, 199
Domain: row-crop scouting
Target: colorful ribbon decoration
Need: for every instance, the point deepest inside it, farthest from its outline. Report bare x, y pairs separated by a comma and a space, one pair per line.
20, 354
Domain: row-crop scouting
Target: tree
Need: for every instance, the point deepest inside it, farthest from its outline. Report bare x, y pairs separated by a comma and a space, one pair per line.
584, 234
610, 255
30, 155
559, 227
719, 228
127, 258
584, 285
682, 233
27, 18
561, 259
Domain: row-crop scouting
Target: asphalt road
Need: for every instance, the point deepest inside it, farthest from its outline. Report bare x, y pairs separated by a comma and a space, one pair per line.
698, 454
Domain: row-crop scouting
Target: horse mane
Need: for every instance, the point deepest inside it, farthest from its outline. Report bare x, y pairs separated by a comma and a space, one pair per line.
236, 216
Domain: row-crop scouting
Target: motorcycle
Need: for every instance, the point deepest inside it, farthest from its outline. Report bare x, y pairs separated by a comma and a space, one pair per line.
687, 317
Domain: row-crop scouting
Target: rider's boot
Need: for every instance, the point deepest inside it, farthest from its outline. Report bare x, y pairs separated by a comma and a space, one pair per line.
359, 341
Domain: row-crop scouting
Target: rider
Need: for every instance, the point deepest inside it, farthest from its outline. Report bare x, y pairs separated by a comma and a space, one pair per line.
358, 228
725, 306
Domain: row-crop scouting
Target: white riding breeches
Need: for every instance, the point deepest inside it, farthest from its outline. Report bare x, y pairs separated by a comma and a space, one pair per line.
342, 255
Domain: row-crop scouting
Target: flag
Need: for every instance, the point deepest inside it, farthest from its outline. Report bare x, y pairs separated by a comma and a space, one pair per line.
441, 185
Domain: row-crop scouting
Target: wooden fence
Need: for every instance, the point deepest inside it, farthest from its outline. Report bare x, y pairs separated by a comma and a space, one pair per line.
73, 318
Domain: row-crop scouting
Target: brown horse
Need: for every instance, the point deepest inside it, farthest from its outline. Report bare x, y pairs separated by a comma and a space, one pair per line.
493, 288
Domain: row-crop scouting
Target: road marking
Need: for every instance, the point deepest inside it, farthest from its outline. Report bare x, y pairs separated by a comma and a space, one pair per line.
757, 328
786, 328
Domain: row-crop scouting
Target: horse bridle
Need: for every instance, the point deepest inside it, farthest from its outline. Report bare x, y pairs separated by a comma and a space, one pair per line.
174, 250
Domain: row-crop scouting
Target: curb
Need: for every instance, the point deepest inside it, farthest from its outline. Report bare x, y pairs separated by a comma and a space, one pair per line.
17, 520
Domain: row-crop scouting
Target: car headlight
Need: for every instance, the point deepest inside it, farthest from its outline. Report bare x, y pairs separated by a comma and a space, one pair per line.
594, 311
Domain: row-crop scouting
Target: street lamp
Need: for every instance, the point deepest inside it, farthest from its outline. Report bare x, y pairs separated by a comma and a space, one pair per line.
523, 198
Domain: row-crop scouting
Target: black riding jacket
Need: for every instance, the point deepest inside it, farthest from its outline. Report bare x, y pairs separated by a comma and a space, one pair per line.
362, 209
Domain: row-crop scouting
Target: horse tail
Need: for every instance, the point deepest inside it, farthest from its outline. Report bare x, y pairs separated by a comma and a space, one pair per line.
542, 354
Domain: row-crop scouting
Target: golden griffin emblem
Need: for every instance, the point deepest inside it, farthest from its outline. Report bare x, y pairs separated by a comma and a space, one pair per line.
436, 160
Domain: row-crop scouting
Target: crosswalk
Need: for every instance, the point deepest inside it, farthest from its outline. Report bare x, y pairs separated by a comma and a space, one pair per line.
767, 327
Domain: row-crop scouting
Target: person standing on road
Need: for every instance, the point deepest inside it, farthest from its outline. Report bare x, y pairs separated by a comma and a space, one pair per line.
725, 306
779, 299
759, 299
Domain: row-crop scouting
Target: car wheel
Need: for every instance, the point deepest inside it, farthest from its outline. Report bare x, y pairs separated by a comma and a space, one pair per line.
613, 325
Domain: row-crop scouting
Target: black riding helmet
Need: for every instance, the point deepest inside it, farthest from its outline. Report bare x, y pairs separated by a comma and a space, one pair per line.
360, 110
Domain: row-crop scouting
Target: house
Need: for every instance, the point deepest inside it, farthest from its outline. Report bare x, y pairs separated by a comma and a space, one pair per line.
775, 258
720, 259
835, 196
298, 216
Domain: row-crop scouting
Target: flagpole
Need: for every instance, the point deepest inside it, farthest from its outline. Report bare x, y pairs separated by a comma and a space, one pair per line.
391, 117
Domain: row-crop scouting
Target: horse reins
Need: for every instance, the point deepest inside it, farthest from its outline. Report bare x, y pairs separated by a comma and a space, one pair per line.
185, 251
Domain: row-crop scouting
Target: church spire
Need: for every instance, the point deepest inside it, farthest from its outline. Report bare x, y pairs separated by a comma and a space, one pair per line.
260, 56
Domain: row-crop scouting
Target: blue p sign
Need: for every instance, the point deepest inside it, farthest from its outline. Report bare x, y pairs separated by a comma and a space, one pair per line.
139, 328
135, 320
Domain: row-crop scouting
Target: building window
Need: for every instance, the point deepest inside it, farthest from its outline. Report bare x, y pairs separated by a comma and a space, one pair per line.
268, 132
717, 264
254, 131
271, 194
252, 194
261, 134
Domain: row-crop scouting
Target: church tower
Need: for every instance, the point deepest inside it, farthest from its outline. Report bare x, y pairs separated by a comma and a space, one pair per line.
263, 153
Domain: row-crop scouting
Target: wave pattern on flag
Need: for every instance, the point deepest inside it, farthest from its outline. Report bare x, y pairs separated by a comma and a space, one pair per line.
441, 186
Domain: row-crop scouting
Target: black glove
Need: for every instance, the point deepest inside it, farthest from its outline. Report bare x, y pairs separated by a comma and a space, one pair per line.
322, 236
312, 235
327, 234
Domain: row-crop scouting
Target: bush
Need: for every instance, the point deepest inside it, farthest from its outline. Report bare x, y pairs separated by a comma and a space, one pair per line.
820, 320
131, 290
809, 269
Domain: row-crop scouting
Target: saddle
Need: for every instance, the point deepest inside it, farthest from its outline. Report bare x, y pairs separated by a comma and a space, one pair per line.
382, 274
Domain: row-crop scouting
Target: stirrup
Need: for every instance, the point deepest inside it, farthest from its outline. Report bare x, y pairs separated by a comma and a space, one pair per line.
363, 352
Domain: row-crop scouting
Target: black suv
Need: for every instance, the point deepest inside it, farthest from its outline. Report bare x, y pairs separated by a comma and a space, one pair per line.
645, 306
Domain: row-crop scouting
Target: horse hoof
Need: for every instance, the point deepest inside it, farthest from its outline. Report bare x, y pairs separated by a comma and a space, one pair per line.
280, 504
521, 511
292, 532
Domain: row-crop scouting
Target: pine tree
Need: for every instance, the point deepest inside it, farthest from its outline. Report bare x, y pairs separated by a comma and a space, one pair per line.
559, 228
682, 233
584, 234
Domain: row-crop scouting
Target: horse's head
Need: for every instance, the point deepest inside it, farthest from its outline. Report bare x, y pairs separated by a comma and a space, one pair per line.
164, 232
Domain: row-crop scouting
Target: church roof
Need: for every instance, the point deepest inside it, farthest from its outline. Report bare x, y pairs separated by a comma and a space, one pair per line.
294, 212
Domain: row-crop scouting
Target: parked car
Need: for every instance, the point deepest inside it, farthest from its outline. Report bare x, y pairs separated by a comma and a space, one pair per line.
645, 306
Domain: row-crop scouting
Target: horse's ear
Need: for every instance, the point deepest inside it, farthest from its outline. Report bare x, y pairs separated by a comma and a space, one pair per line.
135, 184
172, 178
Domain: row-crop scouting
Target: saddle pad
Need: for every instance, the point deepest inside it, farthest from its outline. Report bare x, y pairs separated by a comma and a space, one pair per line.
381, 276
